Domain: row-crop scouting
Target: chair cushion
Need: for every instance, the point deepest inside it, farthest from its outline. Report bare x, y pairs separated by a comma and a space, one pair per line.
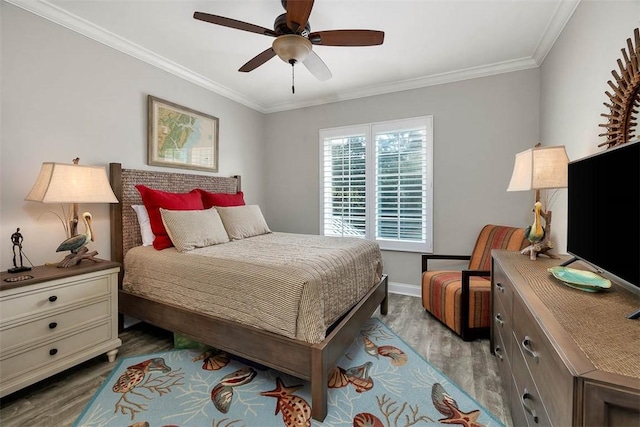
441, 292
495, 237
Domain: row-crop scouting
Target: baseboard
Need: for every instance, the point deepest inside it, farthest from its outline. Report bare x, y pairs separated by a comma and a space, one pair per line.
405, 289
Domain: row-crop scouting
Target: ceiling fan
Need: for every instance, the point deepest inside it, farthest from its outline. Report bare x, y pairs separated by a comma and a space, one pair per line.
294, 39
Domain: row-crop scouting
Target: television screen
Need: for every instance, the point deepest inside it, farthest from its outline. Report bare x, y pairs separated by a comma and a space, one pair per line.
603, 222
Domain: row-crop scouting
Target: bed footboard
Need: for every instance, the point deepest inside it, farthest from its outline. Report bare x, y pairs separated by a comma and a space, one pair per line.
311, 362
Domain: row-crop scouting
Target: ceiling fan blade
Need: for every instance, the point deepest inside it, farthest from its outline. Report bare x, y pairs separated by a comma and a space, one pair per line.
317, 67
232, 23
298, 12
258, 60
347, 37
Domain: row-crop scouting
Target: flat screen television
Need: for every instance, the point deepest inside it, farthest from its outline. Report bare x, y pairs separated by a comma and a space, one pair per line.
603, 213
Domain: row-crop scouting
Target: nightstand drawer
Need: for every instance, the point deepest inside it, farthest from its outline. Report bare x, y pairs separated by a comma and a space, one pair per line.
30, 300
41, 329
39, 357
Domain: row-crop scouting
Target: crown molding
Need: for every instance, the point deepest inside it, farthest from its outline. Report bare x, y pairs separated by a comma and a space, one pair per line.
417, 83
53, 13
75, 23
564, 12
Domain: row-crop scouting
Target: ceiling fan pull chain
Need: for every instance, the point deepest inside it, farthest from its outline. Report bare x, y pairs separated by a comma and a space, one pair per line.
293, 81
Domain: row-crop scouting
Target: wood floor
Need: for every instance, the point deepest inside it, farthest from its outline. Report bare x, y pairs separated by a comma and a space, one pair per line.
57, 401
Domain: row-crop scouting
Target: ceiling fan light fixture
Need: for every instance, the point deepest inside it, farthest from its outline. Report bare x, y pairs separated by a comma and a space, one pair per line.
291, 47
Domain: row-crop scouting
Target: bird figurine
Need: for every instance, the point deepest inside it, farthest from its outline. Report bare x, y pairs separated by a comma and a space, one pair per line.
535, 232
76, 245
76, 242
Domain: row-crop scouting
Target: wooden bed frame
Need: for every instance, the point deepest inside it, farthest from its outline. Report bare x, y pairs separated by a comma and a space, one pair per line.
311, 362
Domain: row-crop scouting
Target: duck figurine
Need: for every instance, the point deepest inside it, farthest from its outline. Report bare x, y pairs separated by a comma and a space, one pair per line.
75, 243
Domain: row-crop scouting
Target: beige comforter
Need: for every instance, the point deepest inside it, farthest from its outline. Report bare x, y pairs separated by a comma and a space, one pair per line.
291, 284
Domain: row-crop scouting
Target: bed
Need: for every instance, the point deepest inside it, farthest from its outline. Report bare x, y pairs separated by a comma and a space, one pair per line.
311, 361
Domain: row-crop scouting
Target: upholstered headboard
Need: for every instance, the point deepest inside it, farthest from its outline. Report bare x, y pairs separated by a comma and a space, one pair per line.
125, 231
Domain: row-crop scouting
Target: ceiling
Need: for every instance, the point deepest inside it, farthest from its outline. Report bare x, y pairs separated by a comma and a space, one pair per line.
426, 42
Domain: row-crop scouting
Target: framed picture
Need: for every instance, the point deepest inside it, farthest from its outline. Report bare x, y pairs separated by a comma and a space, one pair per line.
180, 137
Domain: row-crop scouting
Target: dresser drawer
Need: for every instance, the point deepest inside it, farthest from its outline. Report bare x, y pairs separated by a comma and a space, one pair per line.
39, 357
16, 337
528, 396
502, 289
36, 298
518, 415
502, 359
502, 326
551, 376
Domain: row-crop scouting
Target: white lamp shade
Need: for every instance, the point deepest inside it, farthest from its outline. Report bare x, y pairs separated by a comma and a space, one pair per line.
540, 168
69, 183
291, 47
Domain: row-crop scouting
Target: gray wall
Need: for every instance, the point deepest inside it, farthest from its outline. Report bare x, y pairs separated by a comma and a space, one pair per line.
479, 126
574, 80
65, 96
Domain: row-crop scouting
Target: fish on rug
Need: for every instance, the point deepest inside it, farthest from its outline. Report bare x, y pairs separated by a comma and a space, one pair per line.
379, 382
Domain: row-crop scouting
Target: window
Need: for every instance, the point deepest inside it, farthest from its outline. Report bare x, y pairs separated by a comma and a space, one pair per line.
377, 183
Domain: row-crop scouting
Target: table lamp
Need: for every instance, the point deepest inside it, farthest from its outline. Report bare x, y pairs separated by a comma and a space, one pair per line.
73, 184
540, 168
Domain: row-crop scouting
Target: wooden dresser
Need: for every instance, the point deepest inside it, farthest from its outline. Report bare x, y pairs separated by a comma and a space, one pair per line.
566, 357
57, 319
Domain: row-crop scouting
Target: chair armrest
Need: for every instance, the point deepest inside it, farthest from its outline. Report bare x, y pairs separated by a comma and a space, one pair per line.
427, 257
469, 273
465, 295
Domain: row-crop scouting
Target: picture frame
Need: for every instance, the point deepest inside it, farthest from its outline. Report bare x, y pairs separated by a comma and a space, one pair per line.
180, 137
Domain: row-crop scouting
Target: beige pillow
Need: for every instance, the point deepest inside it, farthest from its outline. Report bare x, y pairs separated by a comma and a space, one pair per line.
194, 229
243, 221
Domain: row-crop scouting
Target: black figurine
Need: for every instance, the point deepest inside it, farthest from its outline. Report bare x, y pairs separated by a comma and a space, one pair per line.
16, 239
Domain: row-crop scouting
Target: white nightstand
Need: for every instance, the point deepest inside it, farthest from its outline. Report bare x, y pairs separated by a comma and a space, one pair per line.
57, 319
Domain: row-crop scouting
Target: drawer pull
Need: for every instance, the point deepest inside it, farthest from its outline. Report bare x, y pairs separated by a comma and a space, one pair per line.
498, 352
53, 351
500, 287
526, 396
499, 319
52, 325
53, 298
526, 346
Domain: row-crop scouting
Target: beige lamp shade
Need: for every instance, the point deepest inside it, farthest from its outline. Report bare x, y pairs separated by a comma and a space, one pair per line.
291, 47
540, 168
70, 183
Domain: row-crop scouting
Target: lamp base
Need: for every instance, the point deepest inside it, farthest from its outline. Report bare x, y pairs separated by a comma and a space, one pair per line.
74, 258
18, 269
541, 248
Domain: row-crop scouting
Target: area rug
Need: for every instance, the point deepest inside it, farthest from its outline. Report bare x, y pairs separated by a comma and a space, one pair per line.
379, 382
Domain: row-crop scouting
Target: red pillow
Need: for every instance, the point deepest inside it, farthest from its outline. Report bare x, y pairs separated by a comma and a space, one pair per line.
155, 199
224, 200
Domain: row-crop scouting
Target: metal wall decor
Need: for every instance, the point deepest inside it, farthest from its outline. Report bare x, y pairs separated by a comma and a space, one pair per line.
625, 99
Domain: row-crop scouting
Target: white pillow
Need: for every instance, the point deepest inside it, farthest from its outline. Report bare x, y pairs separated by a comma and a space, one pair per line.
194, 229
145, 226
243, 221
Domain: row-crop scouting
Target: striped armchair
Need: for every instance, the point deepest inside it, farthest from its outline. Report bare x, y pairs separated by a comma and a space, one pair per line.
461, 299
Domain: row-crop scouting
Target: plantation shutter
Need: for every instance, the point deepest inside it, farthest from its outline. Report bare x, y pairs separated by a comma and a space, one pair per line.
376, 183
344, 184
401, 181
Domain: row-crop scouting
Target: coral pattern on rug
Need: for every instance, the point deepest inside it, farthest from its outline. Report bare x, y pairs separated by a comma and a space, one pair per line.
379, 382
